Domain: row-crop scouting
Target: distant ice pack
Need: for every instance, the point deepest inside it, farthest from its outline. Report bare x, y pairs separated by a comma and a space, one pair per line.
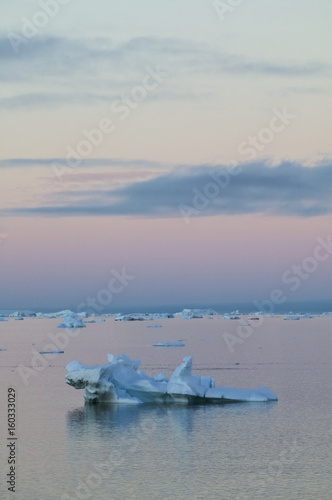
121, 381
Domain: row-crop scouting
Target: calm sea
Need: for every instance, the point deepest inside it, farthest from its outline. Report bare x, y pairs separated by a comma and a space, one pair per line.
65, 450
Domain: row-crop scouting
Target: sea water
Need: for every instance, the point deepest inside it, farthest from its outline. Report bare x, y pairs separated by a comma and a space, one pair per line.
67, 450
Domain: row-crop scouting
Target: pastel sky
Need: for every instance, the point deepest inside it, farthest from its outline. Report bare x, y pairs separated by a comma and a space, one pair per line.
184, 146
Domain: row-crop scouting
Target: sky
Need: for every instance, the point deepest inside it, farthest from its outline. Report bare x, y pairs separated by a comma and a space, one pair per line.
164, 153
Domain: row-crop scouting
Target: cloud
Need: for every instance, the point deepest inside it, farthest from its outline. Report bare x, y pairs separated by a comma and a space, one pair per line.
305, 90
84, 162
289, 189
97, 69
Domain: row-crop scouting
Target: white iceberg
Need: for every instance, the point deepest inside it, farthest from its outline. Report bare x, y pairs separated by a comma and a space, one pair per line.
121, 381
71, 321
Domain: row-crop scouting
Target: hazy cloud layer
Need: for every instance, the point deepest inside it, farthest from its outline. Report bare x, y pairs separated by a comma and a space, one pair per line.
84, 162
98, 69
256, 187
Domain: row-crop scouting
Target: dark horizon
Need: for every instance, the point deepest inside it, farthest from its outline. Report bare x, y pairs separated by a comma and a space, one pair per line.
304, 306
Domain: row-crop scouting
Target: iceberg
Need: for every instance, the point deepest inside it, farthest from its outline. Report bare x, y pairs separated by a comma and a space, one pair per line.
121, 381
71, 321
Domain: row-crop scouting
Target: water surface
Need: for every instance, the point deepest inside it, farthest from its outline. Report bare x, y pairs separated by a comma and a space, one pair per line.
240, 451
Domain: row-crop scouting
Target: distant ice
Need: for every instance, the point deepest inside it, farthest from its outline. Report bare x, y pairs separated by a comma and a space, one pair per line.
195, 313
292, 318
233, 315
3, 319
59, 314
142, 316
121, 381
169, 344
13, 314
17, 315
71, 321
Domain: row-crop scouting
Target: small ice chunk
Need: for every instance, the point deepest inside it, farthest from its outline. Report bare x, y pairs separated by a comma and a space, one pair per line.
169, 344
51, 352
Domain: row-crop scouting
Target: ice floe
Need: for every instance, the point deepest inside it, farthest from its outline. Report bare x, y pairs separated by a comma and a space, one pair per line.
179, 343
51, 352
121, 381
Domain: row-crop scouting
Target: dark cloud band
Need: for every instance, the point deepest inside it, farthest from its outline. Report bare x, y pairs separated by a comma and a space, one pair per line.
256, 187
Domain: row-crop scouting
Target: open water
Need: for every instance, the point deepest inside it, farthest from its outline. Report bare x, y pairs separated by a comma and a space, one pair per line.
66, 450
